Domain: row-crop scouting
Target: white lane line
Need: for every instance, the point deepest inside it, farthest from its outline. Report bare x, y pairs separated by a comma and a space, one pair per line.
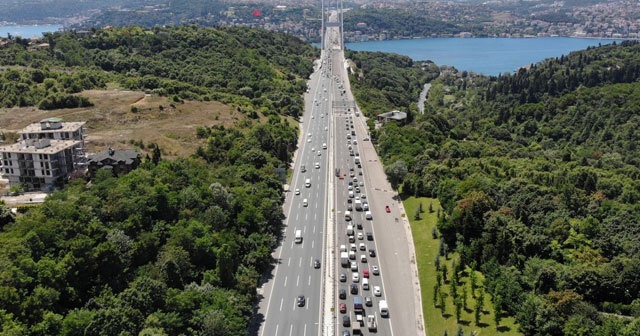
309, 280
277, 326
313, 243
289, 262
281, 302
300, 262
298, 281
291, 329
285, 281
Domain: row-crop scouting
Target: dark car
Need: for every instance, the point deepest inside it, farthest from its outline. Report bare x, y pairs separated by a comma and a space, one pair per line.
316, 263
372, 252
342, 293
359, 226
346, 333
354, 289
346, 321
301, 300
343, 277
367, 301
369, 236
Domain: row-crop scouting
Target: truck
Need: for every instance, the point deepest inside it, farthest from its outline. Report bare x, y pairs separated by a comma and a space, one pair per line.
371, 323
298, 239
344, 259
358, 205
384, 309
358, 307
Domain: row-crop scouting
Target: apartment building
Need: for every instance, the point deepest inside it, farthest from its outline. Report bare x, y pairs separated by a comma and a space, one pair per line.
46, 154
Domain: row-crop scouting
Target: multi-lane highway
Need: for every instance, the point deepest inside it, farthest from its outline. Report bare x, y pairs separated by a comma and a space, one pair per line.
337, 170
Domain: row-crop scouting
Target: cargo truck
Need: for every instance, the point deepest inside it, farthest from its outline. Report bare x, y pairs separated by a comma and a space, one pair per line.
344, 259
371, 323
358, 205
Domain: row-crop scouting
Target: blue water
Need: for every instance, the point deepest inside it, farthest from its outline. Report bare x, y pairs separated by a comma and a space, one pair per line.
489, 56
27, 31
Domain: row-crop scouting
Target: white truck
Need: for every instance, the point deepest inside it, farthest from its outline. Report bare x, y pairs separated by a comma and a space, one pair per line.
358, 205
344, 259
371, 323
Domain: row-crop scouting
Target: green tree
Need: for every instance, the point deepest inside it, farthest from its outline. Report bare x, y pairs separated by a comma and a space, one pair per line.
396, 173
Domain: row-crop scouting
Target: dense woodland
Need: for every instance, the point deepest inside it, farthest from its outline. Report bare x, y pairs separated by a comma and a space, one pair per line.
174, 247
538, 175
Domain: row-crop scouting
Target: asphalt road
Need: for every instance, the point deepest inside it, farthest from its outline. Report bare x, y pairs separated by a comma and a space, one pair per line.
330, 118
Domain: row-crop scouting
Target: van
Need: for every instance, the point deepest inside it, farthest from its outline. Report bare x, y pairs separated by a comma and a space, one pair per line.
349, 230
305, 203
384, 308
351, 195
298, 239
307, 183
368, 215
365, 284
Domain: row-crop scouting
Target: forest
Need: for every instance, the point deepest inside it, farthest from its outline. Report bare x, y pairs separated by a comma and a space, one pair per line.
176, 247
538, 176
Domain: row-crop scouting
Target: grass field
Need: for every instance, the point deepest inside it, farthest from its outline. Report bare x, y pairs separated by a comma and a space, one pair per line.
437, 322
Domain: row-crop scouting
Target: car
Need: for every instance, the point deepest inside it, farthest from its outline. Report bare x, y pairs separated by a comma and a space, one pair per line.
363, 258
349, 200
352, 247
342, 293
355, 277
316, 263
365, 139
372, 252
343, 308
354, 266
319, 153
326, 128
350, 208
350, 187
351, 183
359, 226
352, 239
301, 300
343, 277
352, 174
346, 321
317, 165
309, 140
367, 301
363, 247
360, 173
387, 209
377, 291
297, 191
357, 189
313, 149
360, 236
363, 196
375, 270
354, 289
369, 235
365, 273
346, 333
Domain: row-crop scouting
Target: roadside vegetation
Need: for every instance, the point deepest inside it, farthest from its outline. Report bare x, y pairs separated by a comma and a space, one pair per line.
537, 176
176, 247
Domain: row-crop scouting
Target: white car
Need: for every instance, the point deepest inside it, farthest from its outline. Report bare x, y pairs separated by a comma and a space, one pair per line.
355, 277
377, 291
309, 140
313, 149
317, 165
354, 266
375, 270
297, 191
363, 247
319, 153
360, 236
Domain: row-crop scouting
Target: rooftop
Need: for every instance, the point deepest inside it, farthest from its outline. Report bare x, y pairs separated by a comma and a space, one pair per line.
395, 115
126, 155
39, 147
66, 127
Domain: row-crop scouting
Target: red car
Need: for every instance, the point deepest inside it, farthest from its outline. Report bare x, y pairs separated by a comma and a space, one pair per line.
365, 273
387, 209
343, 308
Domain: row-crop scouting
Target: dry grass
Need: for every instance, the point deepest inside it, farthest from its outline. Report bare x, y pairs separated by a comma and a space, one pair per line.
112, 123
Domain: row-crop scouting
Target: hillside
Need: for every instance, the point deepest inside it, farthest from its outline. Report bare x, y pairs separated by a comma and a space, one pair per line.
537, 174
178, 246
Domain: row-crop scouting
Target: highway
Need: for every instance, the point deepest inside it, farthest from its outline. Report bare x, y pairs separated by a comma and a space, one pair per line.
331, 120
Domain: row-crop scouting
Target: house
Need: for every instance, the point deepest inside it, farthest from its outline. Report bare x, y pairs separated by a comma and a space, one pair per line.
119, 161
395, 115
46, 154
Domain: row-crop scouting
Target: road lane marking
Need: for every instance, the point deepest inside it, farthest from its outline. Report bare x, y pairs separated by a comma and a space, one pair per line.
285, 281
298, 281
281, 303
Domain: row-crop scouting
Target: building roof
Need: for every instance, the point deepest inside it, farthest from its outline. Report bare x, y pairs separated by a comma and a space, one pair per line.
66, 127
39, 147
128, 156
395, 115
